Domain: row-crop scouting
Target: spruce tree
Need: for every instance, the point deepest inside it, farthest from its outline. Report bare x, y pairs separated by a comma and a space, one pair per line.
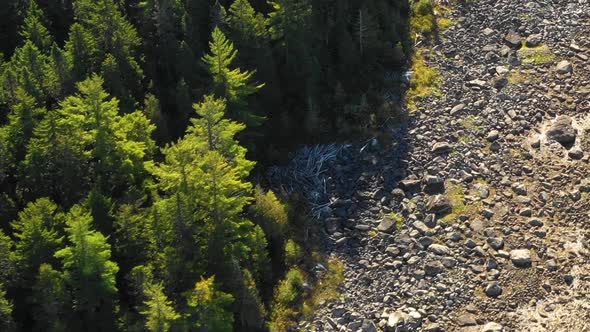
89, 274
231, 84
159, 310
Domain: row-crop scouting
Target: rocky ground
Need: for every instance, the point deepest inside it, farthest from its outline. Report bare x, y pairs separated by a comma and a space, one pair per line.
477, 217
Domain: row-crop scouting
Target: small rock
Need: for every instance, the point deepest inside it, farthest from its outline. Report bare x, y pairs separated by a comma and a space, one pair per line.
492, 135
466, 320
440, 249
433, 268
493, 289
368, 326
492, 327
521, 257
575, 153
439, 205
441, 147
519, 188
387, 225
513, 40
457, 108
562, 130
564, 67
534, 40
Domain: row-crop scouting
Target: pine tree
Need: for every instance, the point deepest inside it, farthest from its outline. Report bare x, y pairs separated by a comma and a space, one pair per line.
37, 233
89, 274
160, 312
209, 307
6, 321
231, 84
249, 26
34, 28
81, 52
49, 300
113, 35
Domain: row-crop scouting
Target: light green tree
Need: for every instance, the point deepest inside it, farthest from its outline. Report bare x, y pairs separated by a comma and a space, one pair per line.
159, 312
89, 274
231, 84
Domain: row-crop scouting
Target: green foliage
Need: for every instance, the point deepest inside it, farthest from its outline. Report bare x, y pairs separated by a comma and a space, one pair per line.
33, 28
6, 262
426, 81
287, 298
249, 25
270, 213
536, 55
37, 231
159, 311
327, 287
293, 253
209, 307
89, 272
6, 322
231, 84
50, 297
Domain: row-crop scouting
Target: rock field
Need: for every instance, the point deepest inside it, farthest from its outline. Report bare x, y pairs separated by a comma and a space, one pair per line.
491, 181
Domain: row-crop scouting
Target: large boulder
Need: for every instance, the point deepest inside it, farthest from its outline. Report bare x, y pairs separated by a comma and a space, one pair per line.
562, 131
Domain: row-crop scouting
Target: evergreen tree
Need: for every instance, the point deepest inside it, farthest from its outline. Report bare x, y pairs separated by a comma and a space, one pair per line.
81, 52
37, 233
160, 311
209, 307
50, 297
114, 36
89, 274
6, 321
34, 28
231, 84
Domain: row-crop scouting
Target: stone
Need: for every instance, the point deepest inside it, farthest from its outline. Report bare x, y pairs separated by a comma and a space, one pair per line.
575, 153
564, 67
519, 189
368, 326
488, 32
496, 243
410, 185
493, 289
466, 320
492, 327
534, 40
433, 268
396, 321
457, 108
439, 205
562, 130
441, 147
387, 225
440, 249
433, 184
492, 135
521, 257
432, 327
513, 40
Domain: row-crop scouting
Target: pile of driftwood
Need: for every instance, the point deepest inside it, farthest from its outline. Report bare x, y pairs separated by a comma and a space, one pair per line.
305, 174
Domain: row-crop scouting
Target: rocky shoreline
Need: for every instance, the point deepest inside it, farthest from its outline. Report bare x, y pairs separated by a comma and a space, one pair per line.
478, 216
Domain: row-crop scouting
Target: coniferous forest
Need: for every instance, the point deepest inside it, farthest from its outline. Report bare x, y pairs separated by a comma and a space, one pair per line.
132, 133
